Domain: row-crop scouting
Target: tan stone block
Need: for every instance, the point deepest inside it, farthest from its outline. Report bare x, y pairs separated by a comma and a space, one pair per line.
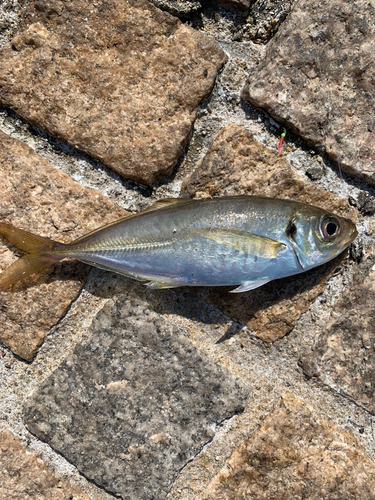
24, 475
38, 198
295, 454
317, 77
118, 80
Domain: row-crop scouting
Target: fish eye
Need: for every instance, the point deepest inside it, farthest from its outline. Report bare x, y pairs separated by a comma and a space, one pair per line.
330, 228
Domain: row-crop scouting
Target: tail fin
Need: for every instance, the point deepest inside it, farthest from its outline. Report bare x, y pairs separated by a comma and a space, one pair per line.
43, 252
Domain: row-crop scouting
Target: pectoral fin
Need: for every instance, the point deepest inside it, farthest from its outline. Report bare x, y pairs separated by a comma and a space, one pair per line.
250, 285
245, 242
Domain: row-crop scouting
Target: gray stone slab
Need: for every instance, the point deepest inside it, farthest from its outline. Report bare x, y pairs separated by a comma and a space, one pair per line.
135, 404
317, 77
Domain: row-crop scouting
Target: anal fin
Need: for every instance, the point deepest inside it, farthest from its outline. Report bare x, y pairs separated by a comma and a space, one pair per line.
161, 284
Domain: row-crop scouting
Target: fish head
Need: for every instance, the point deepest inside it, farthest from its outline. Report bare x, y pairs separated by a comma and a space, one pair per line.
318, 236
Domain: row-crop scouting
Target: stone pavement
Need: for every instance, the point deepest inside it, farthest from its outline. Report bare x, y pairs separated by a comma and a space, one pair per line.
111, 390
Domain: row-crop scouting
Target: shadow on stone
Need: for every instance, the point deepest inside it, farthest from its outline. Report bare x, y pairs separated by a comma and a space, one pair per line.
130, 407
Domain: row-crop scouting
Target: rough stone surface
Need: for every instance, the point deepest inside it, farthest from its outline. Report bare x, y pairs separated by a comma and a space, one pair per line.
296, 454
318, 78
237, 164
118, 81
365, 203
9, 18
45, 201
268, 369
24, 475
343, 356
266, 17
185, 8
180, 8
135, 405
236, 4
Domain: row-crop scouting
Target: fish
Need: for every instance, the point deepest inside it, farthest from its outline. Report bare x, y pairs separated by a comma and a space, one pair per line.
243, 241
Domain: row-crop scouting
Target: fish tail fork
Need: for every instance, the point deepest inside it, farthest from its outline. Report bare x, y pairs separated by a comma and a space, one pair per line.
42, 252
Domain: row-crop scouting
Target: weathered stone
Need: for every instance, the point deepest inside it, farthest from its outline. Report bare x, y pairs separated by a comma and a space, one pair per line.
180, 8
343, 356
366, 203
237, 4
296, 454
118, 80
132, 407
236, 164
315, 172
183, 8
9, 18
38, 198
318, 78
266, 17
24, 475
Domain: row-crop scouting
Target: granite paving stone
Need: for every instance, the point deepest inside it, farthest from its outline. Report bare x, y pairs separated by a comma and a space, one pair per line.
343, 355
24, 475
318, 78
295, 454
38, 198
134, 404
237, 164
118, 80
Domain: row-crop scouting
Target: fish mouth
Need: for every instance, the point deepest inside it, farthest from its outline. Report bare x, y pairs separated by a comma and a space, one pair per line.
350, 232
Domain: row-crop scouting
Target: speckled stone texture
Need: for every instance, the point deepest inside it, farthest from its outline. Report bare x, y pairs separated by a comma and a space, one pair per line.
183, 7
180, 8
294, 455
118, 80
266, 16
318, 78
234, 4
24, 475
237, 164
343, 356
135, 404
38, 198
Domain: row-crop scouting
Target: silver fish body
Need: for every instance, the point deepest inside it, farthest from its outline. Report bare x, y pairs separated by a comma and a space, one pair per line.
243, 240
211, 242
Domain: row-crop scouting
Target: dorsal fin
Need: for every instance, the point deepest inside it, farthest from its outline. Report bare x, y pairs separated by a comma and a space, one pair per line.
156, 206
165, 203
